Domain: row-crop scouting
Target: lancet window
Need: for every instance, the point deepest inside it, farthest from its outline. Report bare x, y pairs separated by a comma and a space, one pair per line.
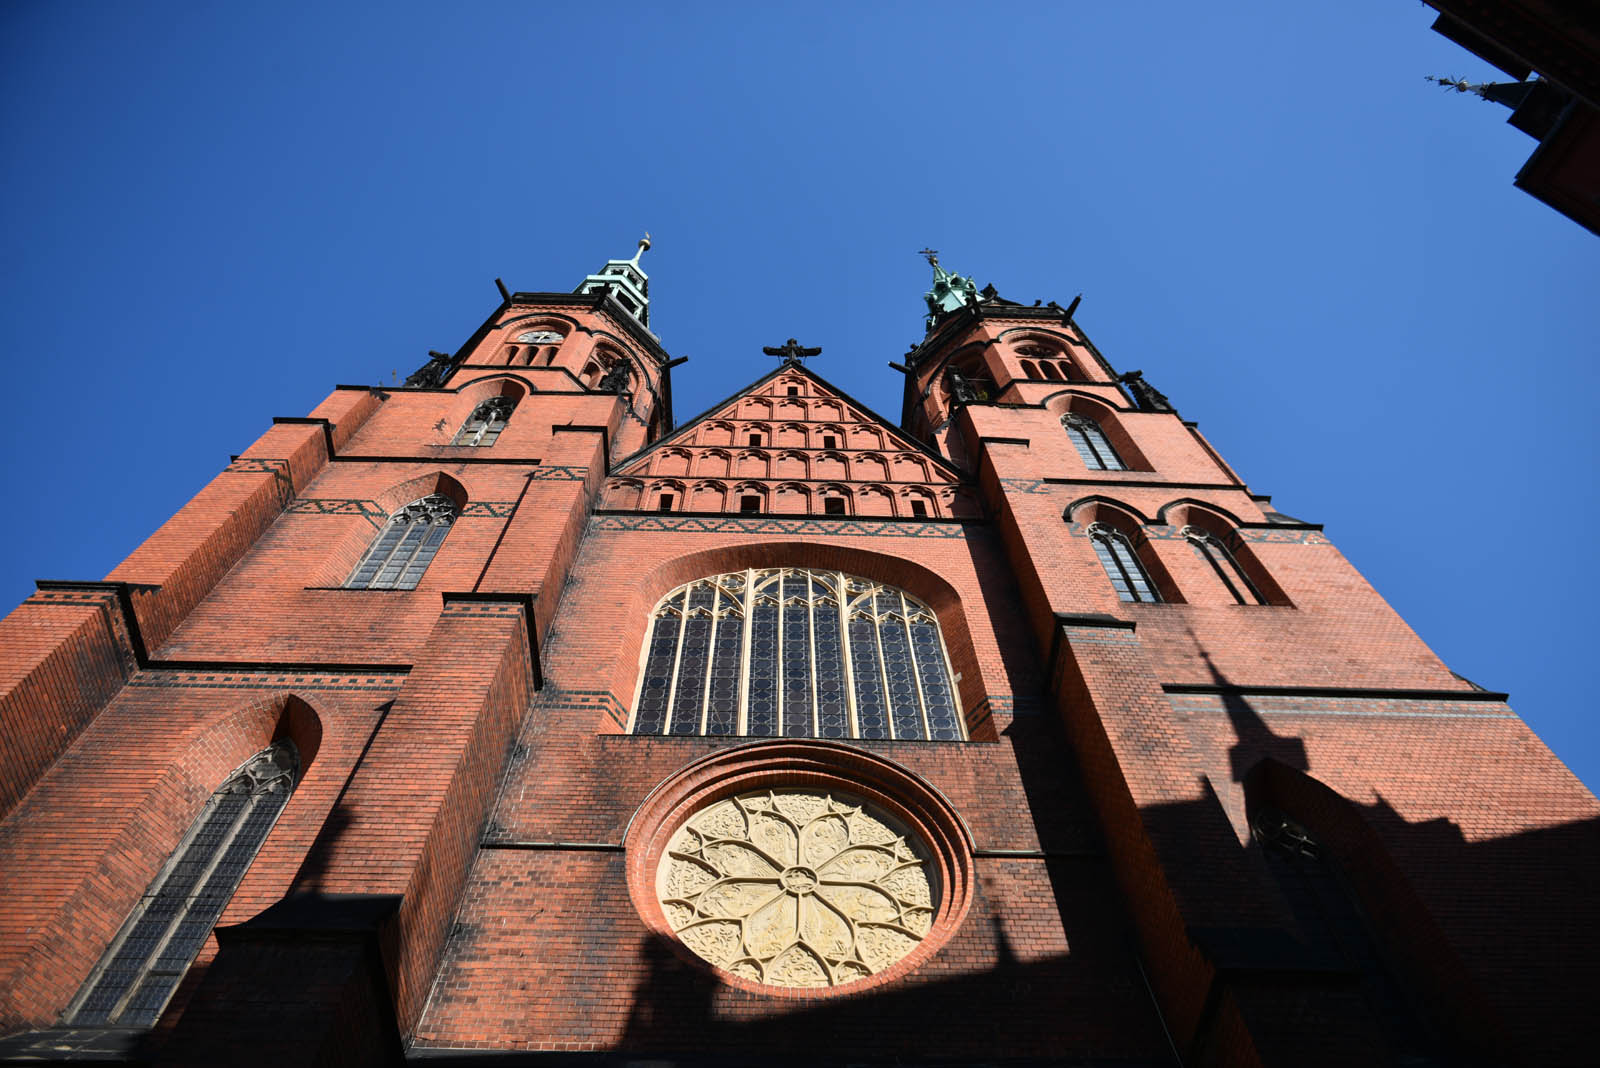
796, 653
175, 916
1122, 564
1210, 548
1091, 443
483, 426
405, 546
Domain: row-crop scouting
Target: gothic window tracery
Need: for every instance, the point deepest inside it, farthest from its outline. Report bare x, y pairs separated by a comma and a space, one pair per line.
405, 546
487, 420
1127, 574
796, 888
796, 653
175, 916
1211, 549
1091, 443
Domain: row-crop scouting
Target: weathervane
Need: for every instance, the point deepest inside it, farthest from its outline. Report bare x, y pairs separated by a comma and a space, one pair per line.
791, 352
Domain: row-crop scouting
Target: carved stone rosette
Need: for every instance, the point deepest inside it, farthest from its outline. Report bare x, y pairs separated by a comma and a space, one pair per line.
795, 888
800, 869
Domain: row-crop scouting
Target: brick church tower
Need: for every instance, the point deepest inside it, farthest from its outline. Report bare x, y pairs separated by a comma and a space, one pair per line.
500, 718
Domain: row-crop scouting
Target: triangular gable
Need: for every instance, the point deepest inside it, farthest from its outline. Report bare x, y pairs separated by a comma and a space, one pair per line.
896, 440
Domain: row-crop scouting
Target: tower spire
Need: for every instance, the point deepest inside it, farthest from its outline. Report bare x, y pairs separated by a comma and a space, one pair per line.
950, 290
627, 283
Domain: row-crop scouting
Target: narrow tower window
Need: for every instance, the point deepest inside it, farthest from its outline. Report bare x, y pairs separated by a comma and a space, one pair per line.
795, 653
833, 506
175, 916
755, 439
1091, 443
1122, 565
405, 546
483, 426
750, 503
1210, 549
665, 503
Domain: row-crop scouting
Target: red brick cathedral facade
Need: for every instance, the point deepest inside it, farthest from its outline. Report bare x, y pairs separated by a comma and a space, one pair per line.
499, 718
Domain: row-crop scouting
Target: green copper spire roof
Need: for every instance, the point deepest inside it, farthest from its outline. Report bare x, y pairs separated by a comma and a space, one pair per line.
626, 282
950, 290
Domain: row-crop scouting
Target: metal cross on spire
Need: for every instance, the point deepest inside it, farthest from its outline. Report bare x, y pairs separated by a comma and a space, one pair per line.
791, 352
932, 254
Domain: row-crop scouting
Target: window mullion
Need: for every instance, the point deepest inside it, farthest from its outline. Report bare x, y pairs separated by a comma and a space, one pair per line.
883, 662
1239, 573
811, 643
178, 915
777, 663
744, 655
1210, 552
711, 657
388, 555
916, 669
847, 653
677, 659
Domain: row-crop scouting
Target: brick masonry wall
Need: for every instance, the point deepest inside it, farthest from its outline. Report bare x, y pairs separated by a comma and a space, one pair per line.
109, 813
1106, 787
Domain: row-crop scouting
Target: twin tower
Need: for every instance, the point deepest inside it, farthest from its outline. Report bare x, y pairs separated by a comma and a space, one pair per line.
500, 712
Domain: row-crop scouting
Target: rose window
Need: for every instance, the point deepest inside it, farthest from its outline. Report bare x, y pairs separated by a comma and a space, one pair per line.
796, 888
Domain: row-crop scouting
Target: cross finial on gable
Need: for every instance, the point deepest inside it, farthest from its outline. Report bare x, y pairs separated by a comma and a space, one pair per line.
791, 351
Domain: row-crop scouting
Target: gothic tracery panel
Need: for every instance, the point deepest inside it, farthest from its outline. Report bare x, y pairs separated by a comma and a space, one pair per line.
796, 653
796, 888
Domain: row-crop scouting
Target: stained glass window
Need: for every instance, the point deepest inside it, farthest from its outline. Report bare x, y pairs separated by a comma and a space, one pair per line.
1122, 564
483, 426
1091, 443
796, 653
405, 546
172, 921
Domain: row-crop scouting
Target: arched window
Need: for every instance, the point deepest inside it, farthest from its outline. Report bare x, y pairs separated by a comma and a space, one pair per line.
171, 922
970, 384
1091, 443
403, 549
483, 426
795, 653
1122, 565
1210, 549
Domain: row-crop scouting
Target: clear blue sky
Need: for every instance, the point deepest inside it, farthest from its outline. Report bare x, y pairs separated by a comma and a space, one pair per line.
214, 212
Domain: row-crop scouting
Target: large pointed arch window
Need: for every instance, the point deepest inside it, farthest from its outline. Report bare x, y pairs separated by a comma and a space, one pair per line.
173, 919
1091, 443
405, 546
796, 653
483, 426
1128, 576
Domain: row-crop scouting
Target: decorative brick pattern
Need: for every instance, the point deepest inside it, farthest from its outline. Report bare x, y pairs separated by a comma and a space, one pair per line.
375, 513
773, 525
216, 680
